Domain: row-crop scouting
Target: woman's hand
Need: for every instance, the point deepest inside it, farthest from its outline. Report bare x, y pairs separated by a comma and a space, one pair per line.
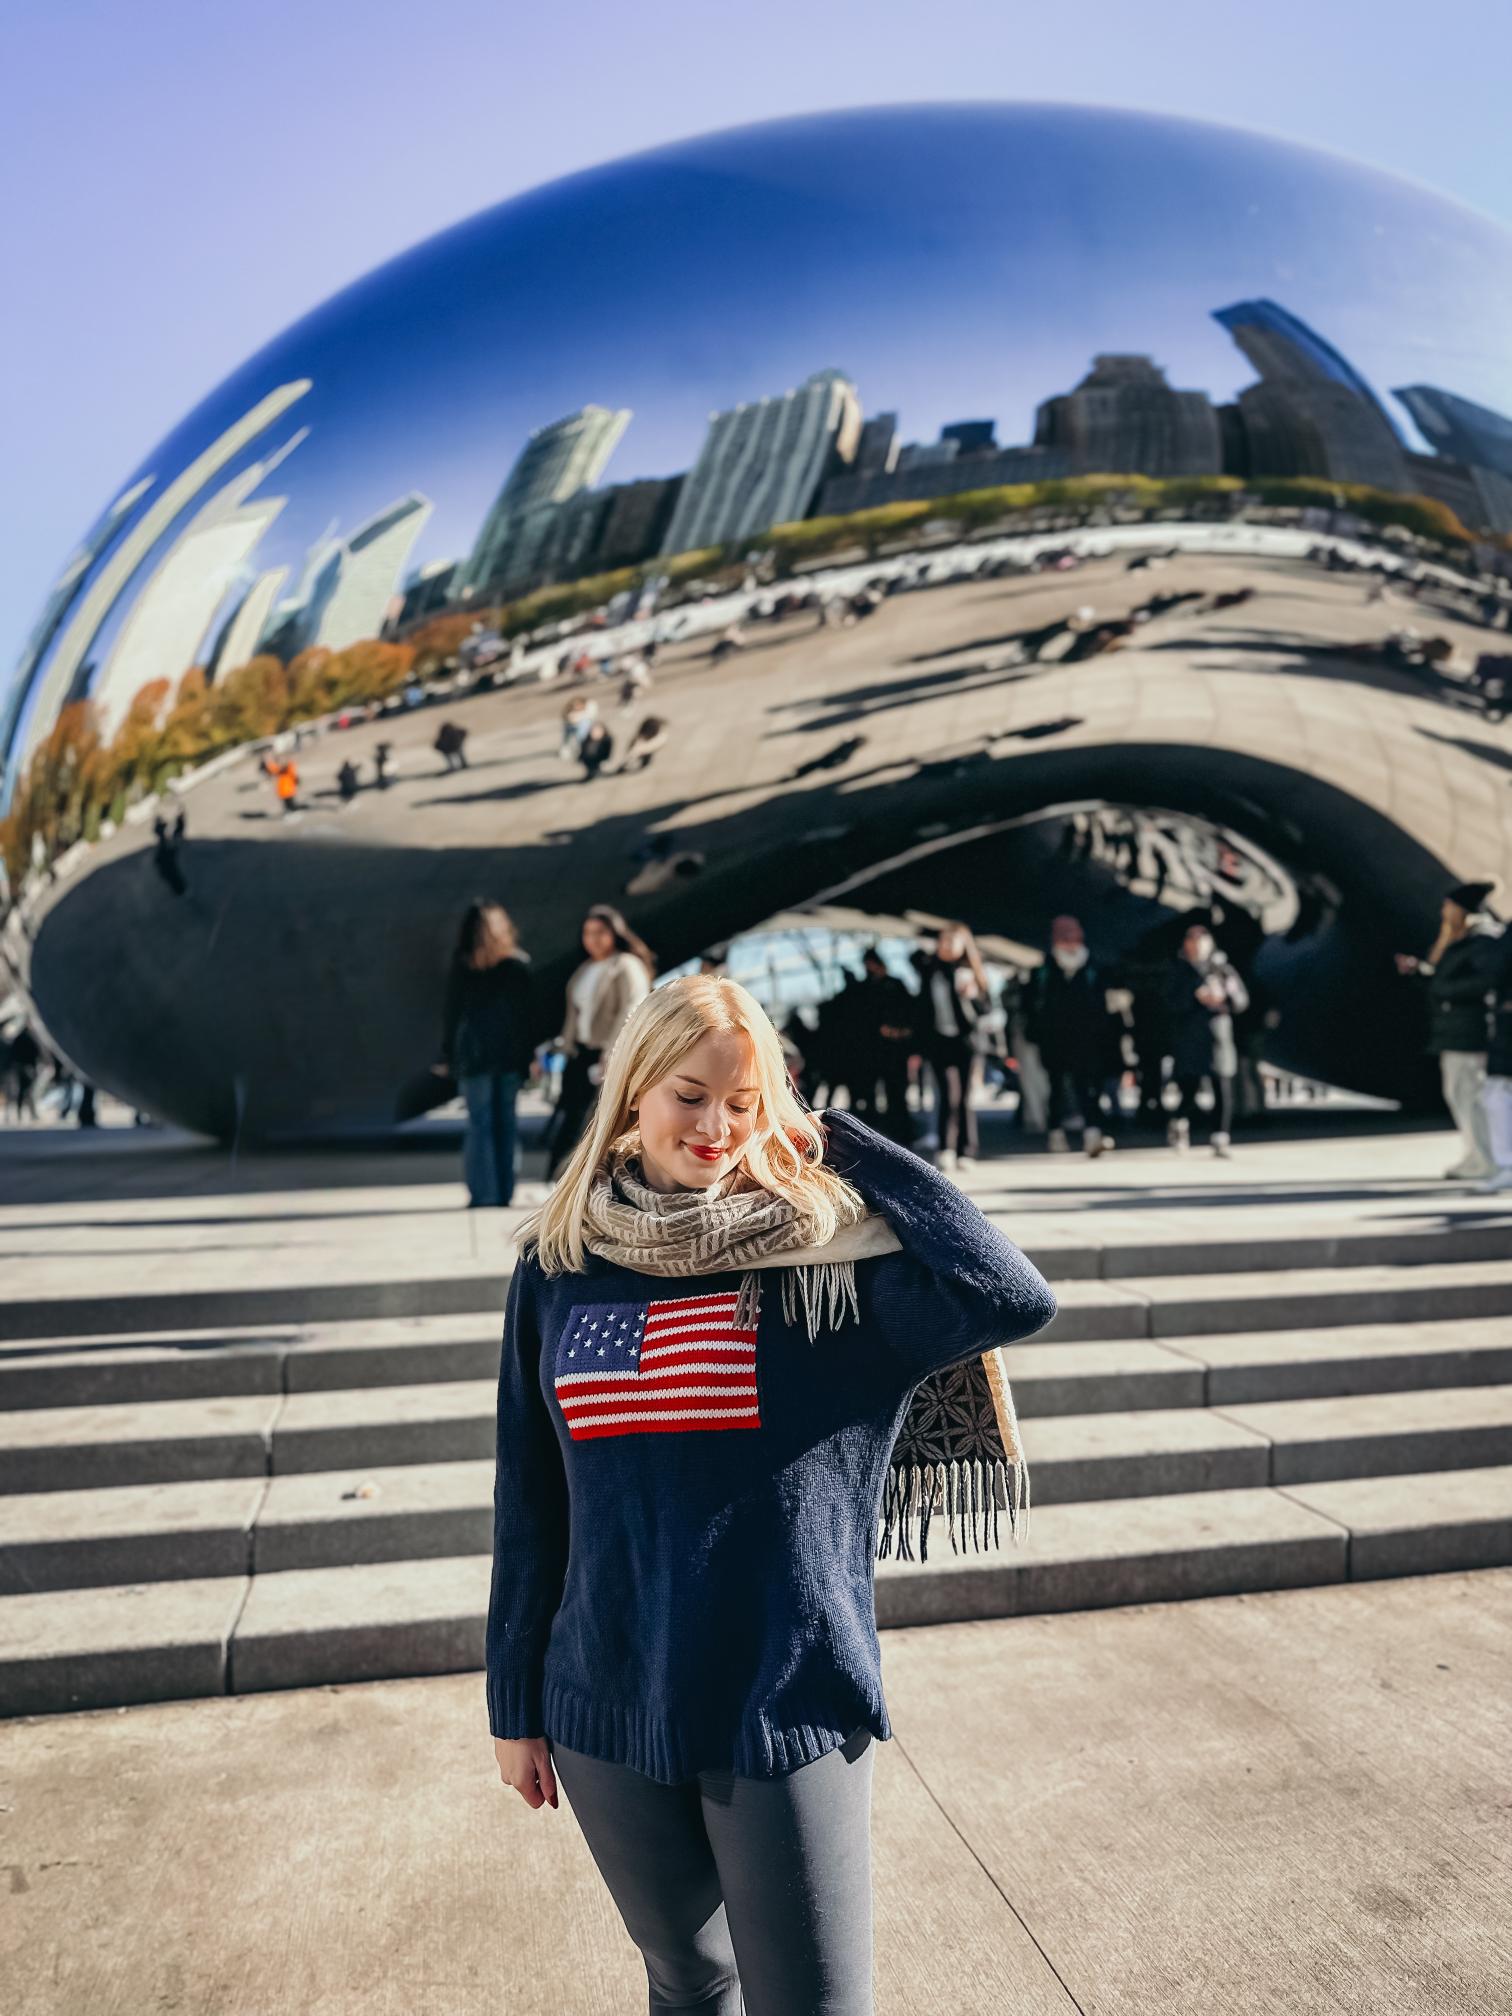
525, 1763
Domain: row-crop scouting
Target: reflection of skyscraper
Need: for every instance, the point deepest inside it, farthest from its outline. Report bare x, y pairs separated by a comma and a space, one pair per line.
291, 627
972, 437
1480, 498
636, 521
1458, 427
761, 464
555, 464
428, 592
173, 610
66, 592
877, 449
928, 454
367, 573
247, 622
1312, 414
1124, 417
56, 683
935, 471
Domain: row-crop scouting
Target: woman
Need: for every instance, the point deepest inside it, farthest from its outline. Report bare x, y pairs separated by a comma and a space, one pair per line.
616, 974
956, 995
683, 1631
1205, 995
486, 1046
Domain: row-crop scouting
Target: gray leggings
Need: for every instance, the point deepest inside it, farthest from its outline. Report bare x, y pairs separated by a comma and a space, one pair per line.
746, 1896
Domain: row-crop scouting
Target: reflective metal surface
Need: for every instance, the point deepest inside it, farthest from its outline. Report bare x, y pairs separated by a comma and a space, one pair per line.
1142, 494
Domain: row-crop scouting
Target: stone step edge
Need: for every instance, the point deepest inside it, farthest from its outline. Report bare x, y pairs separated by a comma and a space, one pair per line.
41, 1317
1178, 1367
227, 1654
251, 1364
1234, 1442
260, 1538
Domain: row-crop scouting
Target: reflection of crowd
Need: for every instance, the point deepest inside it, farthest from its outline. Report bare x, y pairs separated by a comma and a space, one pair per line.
1089, 1046
30, 1072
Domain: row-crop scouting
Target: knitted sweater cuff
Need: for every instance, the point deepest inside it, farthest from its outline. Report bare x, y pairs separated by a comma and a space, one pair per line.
514, 1702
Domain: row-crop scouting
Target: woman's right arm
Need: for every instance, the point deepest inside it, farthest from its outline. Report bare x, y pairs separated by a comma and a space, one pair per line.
530, 1525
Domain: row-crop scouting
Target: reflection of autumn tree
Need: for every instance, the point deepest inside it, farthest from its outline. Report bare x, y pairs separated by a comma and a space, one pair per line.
439, 638
75, 780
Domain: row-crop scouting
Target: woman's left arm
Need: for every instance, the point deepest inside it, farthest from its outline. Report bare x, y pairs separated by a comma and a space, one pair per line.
959, 1286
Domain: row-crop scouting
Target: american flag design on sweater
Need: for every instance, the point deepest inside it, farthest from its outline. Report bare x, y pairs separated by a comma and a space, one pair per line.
656, 1368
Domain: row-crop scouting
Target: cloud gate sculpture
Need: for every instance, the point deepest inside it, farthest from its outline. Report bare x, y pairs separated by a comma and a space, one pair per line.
1031, 509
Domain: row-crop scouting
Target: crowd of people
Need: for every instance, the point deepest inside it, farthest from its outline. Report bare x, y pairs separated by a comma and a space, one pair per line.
1076, 1037
1090, 1047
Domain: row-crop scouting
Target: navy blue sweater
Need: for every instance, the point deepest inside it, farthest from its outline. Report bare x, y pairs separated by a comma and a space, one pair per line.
682, 1592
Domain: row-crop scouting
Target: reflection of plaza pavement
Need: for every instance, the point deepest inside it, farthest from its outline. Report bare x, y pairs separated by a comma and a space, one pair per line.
307, 954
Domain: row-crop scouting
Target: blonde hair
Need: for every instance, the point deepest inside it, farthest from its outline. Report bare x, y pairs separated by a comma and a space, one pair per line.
785, 1150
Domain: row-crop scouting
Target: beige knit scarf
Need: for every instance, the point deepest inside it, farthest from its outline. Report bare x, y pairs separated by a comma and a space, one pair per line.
959, 1451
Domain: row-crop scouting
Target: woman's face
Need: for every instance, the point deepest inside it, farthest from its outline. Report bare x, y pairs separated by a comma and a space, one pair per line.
698, 1121
951, 945
598, 939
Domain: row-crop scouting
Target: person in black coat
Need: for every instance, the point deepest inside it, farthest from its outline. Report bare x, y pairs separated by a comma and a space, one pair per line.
486, 1046
886, 1013
1460, 972
1203, 996
1068, 1021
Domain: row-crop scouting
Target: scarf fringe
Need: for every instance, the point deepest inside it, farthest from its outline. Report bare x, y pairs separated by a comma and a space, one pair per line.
827, 1291
970, 1494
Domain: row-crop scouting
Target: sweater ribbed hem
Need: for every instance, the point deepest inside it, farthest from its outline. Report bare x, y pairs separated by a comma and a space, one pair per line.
644, 1739
514, 1703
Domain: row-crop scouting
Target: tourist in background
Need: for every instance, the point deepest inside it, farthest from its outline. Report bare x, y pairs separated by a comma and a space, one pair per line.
615, 976
486, 1046
1204, 996
1068, 1017
1459, 971
955, 993
1496, 1093
887, 1017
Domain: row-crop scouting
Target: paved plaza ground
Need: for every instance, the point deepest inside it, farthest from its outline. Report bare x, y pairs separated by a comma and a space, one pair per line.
1290, 1804
1296, 1799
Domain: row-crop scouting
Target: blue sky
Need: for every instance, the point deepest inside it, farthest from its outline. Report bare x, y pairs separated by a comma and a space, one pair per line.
183, 183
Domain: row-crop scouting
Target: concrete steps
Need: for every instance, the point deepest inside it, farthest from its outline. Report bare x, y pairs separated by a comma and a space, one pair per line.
113, 1368
365, 1507
302, 1627
246, 1505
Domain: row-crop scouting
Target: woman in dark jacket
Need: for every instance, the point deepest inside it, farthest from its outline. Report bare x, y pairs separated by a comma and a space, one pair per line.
954, 995
486, 1045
